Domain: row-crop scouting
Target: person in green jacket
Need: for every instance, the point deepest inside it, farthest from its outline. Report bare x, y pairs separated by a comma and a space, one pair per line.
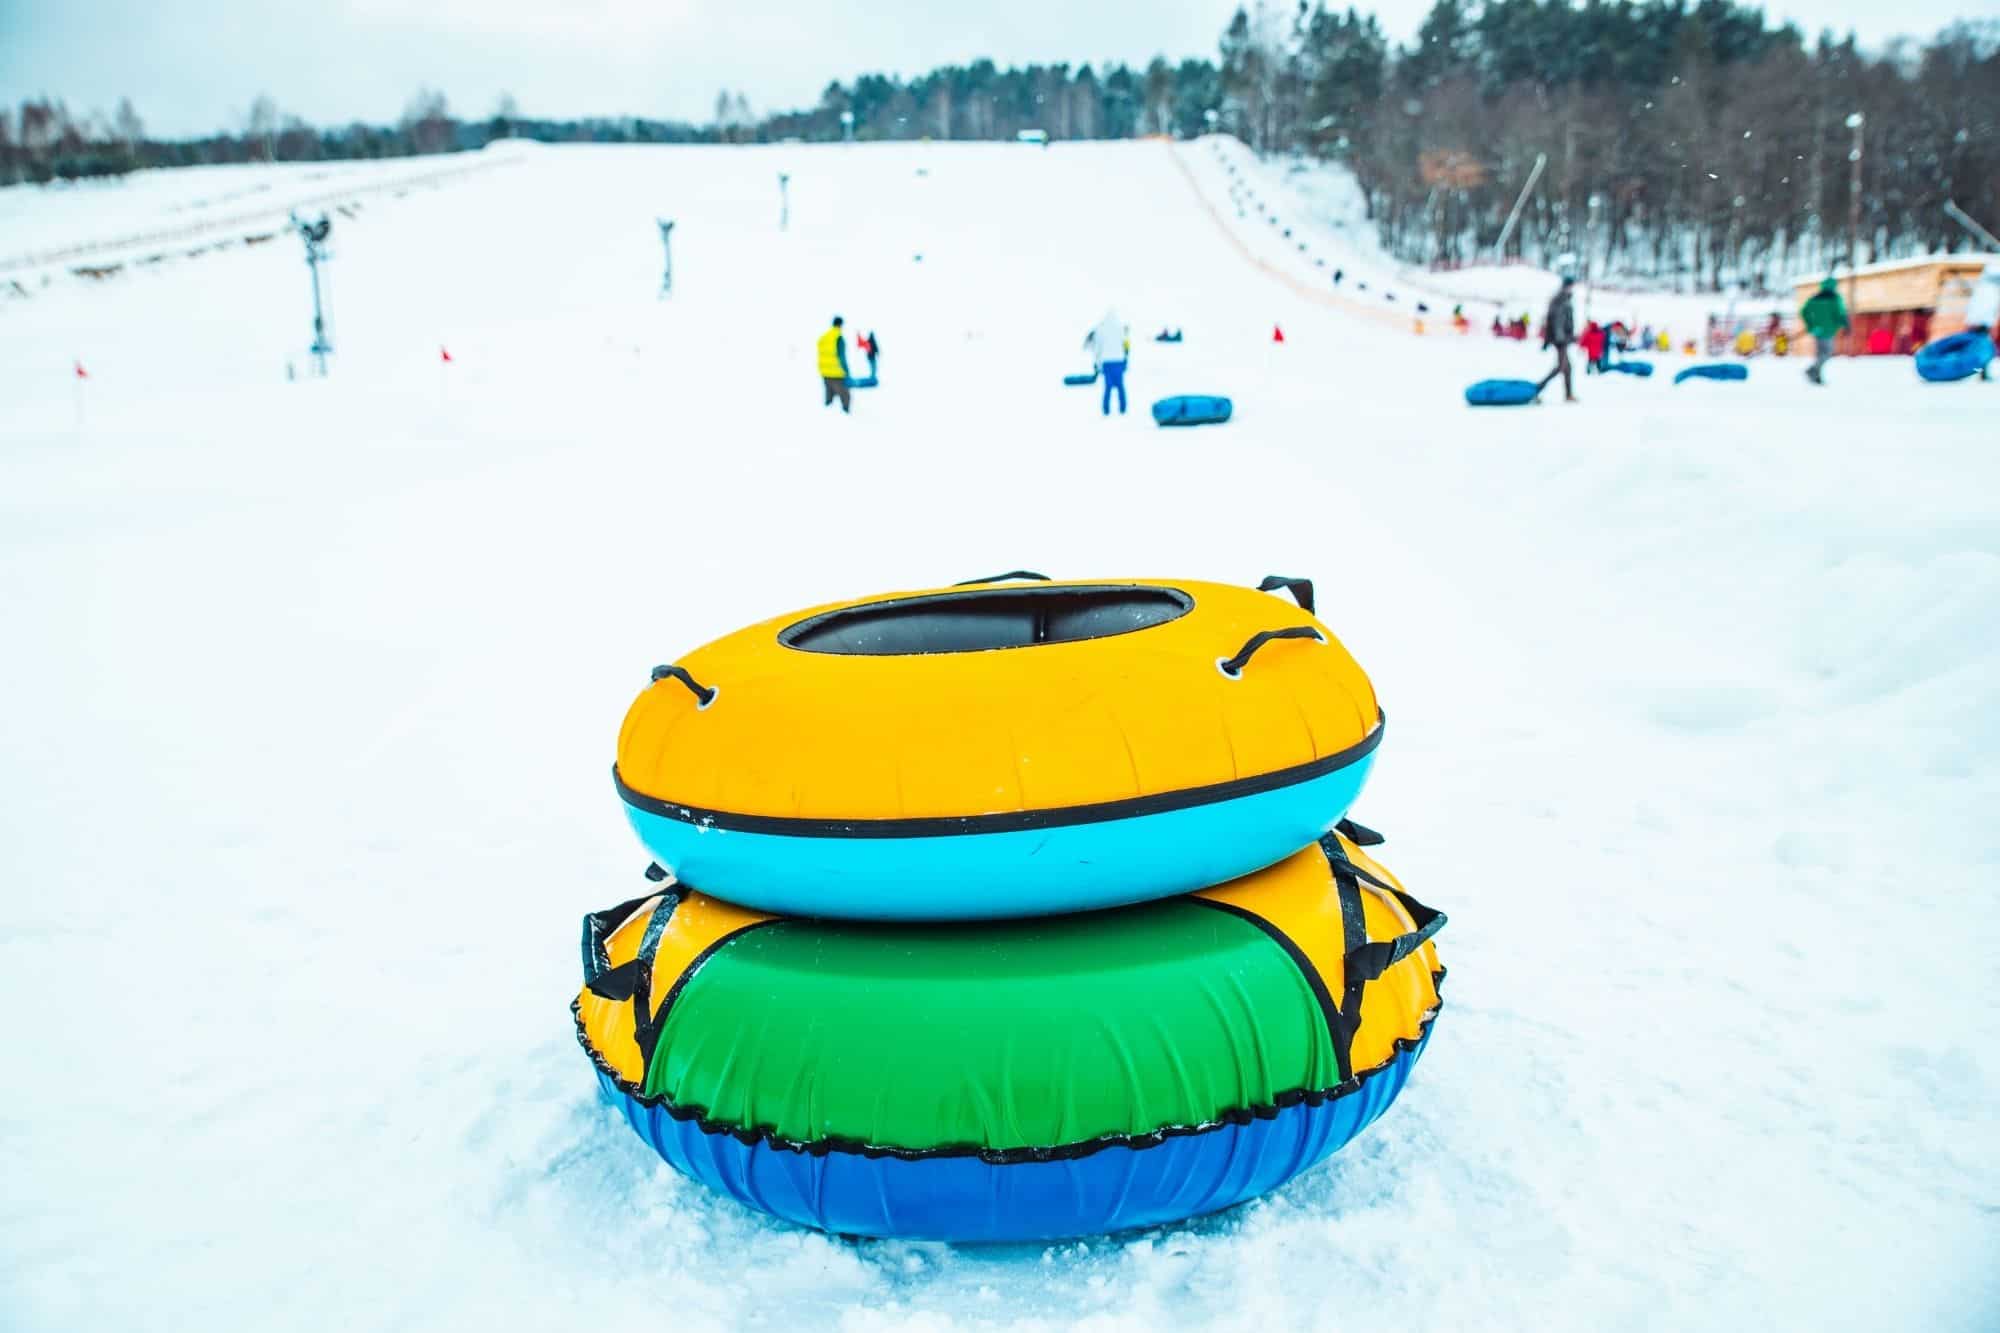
1825, 317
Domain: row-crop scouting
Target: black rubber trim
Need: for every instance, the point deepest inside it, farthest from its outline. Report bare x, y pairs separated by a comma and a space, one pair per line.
1012, 821
1008, 1156
1335, 1023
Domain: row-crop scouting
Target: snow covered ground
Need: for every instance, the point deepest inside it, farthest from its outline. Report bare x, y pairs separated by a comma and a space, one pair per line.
313, 688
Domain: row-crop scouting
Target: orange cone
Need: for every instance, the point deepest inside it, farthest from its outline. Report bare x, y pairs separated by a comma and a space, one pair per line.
1277, 334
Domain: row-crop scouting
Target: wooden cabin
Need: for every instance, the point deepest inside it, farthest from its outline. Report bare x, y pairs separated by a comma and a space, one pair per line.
1898, 305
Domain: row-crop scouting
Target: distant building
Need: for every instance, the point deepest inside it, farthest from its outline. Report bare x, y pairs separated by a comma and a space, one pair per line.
1898, 305
1032, 136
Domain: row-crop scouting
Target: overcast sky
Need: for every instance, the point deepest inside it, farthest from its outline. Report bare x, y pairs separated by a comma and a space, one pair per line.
195, 65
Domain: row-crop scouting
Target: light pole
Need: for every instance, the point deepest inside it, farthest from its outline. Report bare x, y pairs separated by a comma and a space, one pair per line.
314, 234
847, 125
667, 245
784, 200
1854, 122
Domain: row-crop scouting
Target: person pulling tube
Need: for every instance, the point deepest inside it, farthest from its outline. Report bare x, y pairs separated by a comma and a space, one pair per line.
1559, 331
833, 366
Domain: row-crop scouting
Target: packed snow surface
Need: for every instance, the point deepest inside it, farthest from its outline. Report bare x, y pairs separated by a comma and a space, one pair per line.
312, 689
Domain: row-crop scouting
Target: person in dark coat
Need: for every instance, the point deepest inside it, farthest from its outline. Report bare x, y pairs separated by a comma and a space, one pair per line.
1559, 331
1825, 316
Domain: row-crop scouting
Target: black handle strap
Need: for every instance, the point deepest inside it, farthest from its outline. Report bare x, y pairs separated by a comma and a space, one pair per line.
1008, 577
1232, 667
1364, 960
704, 695
597, 929
1374, 958
1359, 834
1368, 959
1302, 589
633, 979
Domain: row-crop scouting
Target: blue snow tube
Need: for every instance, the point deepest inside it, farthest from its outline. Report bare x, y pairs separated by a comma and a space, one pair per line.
1075, 380
1716, 370
1192, 410
865, 382
1958, 357
1643, 369
1501, 393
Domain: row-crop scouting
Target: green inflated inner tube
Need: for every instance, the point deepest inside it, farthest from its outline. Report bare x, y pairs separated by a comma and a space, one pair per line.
993, 1038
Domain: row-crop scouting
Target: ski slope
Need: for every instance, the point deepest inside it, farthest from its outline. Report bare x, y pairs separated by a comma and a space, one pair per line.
313, 688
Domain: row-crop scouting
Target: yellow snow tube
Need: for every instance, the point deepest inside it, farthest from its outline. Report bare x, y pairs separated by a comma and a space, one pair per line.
999, 748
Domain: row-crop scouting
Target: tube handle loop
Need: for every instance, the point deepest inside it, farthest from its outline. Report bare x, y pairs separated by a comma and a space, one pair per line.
1302, 589
1232, 667
704, 695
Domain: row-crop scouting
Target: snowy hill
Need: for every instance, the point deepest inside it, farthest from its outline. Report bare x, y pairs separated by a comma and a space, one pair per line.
314, 688
1314, 224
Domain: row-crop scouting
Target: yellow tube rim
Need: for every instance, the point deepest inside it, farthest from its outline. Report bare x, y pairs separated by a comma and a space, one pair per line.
769, 722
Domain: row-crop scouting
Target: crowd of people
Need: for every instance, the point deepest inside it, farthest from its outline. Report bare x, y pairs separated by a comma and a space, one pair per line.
1823, 316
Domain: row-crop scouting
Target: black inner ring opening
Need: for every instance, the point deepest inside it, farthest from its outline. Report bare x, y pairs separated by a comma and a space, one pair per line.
977, 621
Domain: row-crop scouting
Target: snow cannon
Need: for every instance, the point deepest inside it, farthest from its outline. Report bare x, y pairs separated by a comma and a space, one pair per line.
1015, 1081
1193, 410
1502, 393
1714, 370
947, 755
1960, 356
1078, 381
1643, 369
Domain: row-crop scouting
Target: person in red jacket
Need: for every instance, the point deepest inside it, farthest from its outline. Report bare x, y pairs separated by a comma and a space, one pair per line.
1592, 343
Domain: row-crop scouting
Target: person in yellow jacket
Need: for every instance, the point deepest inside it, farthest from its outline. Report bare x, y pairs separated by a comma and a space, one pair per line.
833, 366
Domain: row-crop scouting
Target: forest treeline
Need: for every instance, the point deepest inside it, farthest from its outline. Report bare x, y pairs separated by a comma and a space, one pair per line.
42, 140
1691, 143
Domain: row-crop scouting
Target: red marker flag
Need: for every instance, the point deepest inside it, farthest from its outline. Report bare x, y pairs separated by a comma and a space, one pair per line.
1277, 334
443, 355
81, 373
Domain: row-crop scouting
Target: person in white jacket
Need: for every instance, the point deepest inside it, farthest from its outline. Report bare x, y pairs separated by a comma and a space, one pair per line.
1110, 345
1982, 311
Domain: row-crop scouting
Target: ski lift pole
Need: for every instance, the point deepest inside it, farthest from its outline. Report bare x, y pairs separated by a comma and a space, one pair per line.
1964, 219
1500, 246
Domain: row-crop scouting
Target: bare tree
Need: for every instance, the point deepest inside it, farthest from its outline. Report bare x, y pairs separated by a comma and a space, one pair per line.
127, 125
427, 121
261, 123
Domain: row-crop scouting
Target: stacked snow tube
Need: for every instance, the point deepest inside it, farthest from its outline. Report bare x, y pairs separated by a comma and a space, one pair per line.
1193, 410
1960, 356
1718, 370
871, 993
1502, 393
